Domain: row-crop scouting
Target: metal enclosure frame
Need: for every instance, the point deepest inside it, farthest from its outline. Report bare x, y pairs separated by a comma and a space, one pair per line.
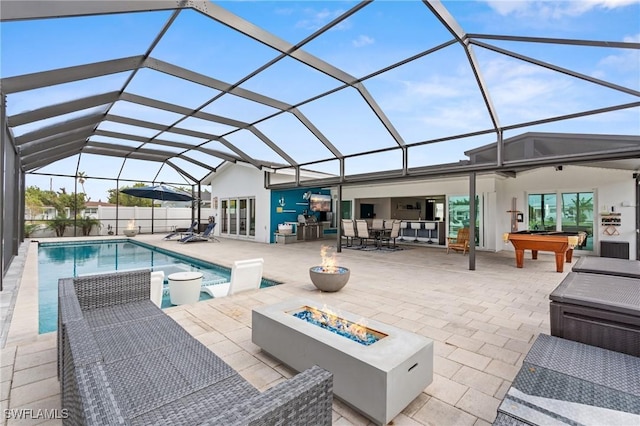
39, 148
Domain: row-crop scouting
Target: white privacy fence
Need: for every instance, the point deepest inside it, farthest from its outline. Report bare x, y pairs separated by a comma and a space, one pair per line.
164, 219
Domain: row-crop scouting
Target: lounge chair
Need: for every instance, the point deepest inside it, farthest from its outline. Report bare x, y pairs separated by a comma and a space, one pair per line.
205, 236
157, 287
245, 275
191, 230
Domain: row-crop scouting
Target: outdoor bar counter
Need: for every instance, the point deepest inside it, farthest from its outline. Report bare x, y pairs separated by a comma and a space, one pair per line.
437, 235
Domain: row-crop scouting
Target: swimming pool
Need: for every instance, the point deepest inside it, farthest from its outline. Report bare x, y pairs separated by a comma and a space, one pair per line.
70, 259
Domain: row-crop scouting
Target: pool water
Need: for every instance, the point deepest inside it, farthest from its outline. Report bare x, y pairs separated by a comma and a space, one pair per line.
62, 260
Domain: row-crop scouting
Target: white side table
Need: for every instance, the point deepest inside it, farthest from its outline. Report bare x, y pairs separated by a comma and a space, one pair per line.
184, 287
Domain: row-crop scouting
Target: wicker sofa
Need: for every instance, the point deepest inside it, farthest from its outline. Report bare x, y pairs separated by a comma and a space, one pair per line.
122, 360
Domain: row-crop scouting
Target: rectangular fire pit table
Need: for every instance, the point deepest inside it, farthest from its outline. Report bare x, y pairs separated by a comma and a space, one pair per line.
378, 380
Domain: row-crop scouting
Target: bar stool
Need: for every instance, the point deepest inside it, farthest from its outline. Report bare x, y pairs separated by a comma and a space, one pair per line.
430, 226
403, 227
416, 226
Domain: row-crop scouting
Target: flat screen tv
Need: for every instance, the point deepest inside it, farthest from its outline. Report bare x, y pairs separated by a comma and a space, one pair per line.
320, 203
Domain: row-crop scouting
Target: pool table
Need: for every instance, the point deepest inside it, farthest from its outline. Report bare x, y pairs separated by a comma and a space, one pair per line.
555, 241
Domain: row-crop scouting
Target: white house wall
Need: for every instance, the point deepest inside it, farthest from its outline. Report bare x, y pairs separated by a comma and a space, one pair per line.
240, 181
610, 187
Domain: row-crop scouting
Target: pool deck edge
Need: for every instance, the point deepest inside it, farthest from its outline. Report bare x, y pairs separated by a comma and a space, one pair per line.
24, 320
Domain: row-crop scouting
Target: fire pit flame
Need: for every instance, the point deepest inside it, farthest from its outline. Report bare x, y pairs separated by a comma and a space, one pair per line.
329, 320
328, 263
131, 225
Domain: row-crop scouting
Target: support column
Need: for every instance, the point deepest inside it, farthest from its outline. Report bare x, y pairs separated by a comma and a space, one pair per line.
339, 220
472, 221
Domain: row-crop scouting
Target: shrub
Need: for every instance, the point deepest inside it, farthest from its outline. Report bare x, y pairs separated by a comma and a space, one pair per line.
59, 224
87, 223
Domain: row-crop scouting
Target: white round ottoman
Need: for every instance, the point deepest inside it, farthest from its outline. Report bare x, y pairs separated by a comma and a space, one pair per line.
184, 287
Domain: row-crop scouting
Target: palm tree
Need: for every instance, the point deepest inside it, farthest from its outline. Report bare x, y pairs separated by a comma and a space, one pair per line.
82, 178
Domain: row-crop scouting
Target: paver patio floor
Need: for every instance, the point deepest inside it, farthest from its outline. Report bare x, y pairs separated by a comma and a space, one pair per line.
482, 322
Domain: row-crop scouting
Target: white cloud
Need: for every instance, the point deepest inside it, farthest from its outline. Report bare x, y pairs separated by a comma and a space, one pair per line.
624, 60
316, 19
362, 40
553, 9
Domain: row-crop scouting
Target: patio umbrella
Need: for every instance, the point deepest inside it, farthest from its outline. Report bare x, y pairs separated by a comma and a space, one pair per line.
158, 192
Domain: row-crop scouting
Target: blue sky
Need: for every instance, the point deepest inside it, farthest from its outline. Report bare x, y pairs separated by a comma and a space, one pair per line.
432, 97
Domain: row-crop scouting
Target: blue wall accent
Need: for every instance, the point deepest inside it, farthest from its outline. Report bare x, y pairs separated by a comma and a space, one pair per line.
294, 205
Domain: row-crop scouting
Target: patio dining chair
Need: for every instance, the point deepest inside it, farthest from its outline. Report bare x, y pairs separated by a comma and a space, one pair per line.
363, 231
348, 231
393, 234
377, 224
460, 242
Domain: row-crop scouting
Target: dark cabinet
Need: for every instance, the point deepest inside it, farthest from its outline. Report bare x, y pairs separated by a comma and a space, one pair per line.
615, 249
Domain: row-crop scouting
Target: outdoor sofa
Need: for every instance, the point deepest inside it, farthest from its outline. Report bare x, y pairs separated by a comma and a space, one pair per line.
122, 360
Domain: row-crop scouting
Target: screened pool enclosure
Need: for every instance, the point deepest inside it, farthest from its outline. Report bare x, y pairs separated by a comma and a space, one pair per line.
119, 92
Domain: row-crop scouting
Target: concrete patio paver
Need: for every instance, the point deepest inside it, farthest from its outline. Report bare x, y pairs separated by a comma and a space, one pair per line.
482, 322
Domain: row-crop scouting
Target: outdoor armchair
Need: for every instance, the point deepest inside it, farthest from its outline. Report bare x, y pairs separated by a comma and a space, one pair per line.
460, 242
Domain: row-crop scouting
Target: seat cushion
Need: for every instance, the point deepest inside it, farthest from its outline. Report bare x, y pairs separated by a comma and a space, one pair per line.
608, 266
606, 292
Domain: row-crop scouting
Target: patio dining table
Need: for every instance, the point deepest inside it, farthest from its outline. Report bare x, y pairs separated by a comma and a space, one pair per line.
378, 233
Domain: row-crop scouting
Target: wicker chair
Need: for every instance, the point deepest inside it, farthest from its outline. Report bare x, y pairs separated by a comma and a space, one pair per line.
460, 242
122, 360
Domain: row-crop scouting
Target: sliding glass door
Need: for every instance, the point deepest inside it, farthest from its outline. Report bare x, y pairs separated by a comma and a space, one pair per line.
577, 215
542, 212
459, 216
567, 211
239, 217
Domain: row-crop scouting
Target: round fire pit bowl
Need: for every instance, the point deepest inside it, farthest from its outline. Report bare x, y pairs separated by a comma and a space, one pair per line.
130, 232
329, 281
